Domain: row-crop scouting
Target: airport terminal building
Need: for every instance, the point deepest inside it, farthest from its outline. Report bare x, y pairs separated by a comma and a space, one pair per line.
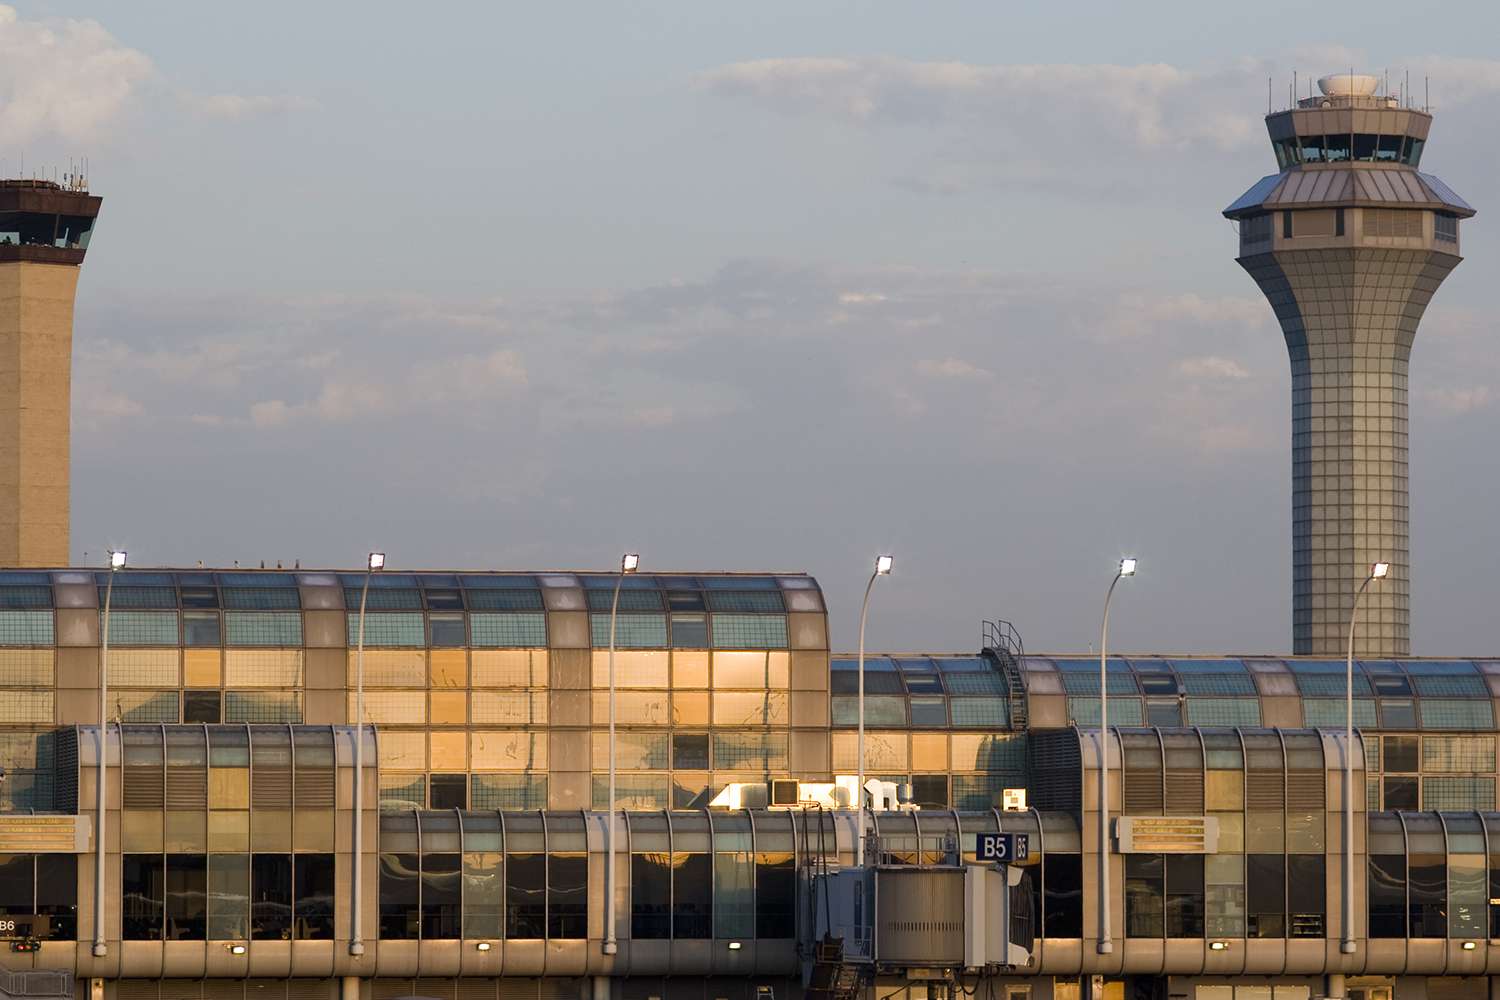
229, 855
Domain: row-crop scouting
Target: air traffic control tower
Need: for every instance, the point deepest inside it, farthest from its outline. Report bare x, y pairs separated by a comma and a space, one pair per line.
1349, 241
44, 232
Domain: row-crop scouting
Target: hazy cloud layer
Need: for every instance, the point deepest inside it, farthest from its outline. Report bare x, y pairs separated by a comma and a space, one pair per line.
63, 78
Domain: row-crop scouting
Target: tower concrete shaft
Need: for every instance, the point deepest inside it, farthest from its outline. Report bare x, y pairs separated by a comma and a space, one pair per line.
44, 232
1348, 242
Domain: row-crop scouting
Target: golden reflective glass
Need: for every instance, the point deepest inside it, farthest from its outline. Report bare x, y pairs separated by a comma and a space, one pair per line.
741, 670
201, 668
750, 708
778, 668
634, 668
508, 750
393, 707
263, 668
690, 708
26, 666
510, 708
508, 667
271, 830
144, 667
228, 832
229, 788
403, 750
312, 830
185, 831
390, 667
689, 668
450, 708
450, 668
1225, 790
634, 750
634, 708
449, 751
883, 752
929, 752
140, 831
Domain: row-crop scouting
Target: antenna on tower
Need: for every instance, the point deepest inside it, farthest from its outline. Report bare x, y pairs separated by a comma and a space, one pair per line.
1427, 94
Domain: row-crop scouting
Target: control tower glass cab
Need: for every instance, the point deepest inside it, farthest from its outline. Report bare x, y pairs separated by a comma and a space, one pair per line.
1348, 242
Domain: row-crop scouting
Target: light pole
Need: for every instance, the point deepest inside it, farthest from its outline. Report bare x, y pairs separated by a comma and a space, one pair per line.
629, 563
375, 563
1346, 946
1106, 943
883, 566
116, 563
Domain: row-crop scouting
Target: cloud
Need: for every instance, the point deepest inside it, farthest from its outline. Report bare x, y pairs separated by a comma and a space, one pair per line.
1458, 401
234, 107
1152, 106
64, 78
952, 368
1211, 367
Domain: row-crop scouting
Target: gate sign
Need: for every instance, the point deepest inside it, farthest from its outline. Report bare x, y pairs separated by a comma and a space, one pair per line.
1002, 846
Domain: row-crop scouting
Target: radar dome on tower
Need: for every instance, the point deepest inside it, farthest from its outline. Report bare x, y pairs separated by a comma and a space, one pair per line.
1349, 85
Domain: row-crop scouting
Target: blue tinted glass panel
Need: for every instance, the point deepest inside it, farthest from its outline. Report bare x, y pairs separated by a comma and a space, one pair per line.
1209, 666
916, 665
981, 712
500, 631
390, 599
141, 628
929, 712
1452, 687
1439, 713
1380, 666
1398, 684
749, 632
632, 631
739, 583
136, 579
255, 580
990, 683
388, 629
201, 628
510, 792
1445, 192
607, 581
1083, 666
923, 683
1089, 683
847, 682
962, 664
750, 751
1317, 666
378, 581
1440, 667
1223, 684
1122, 711
689, 631
872, 663
263, 628
1398, 713
1331, 685
630, 600
139, 597
1258, 193
1151, 666
26, 628
262, 598
505, 600
24, 579
262, 706
1330, 713
473, 581
749, 601
25, 597
880, 710
1223, 712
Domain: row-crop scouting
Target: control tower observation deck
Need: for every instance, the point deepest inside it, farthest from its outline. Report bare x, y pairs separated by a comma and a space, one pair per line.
44, 233
1349, 241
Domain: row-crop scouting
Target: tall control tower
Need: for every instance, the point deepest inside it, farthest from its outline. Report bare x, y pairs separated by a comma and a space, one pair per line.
44, 232
1349, 241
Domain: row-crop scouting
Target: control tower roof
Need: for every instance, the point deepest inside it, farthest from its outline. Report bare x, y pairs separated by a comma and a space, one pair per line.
1377, 186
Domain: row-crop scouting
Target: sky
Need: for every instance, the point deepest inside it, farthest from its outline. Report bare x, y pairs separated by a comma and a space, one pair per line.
771, 286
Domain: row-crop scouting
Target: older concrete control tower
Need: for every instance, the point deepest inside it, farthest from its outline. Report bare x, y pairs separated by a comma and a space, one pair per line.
1349, 241
44, 232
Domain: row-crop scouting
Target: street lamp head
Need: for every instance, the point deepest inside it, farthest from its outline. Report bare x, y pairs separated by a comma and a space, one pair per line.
116, 559
883, 565
1127, 566
630, 562
1379, 571
377, 560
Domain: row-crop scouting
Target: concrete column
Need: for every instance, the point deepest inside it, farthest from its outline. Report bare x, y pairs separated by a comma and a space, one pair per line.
601, 988
1335, 986
349, 988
